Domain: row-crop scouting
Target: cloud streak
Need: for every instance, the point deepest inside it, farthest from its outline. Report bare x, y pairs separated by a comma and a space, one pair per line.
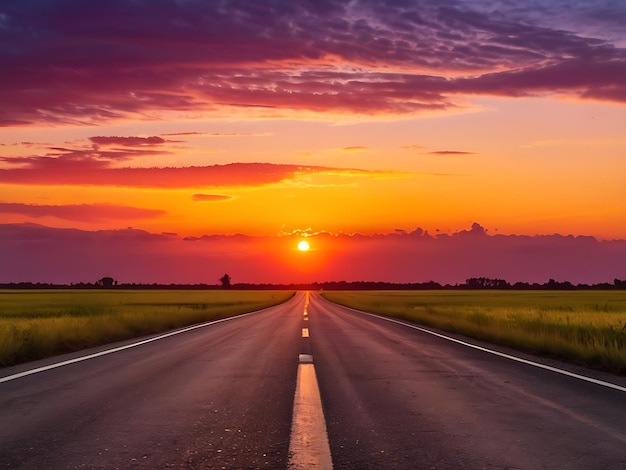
94, 166
355, 148
131, 141
81, 212
210, 198
339, 56
450, 152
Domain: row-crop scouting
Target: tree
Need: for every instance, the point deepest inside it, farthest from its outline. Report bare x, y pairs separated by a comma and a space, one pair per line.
225, 281
106, 282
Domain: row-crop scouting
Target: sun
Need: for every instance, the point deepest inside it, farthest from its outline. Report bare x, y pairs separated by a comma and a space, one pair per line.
304, 246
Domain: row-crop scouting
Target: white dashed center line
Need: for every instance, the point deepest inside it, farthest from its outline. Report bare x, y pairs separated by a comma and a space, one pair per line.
308, 446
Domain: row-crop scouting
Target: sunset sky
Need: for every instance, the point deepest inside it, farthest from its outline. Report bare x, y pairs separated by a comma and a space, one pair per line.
406, 140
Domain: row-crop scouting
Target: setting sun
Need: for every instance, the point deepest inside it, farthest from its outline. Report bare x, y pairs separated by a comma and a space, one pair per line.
303, 246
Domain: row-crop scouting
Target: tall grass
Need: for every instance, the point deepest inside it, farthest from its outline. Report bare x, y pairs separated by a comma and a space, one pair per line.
39, 323
582, 327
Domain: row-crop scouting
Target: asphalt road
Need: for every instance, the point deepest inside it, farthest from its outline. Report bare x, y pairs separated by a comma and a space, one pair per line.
397, 398
222, 397
216, 397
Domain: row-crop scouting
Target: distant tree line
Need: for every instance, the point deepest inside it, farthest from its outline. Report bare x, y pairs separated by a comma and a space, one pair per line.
487, 283
226, 283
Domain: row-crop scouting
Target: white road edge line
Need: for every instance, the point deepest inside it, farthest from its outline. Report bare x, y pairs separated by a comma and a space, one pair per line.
308, 441
496, 353
37, 370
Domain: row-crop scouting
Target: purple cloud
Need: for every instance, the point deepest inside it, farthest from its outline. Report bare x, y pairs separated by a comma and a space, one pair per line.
95, 167
127, 141
450, 152
80, 212
89, 63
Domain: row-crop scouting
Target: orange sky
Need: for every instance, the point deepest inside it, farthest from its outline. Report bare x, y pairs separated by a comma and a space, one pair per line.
376, 125
513, 165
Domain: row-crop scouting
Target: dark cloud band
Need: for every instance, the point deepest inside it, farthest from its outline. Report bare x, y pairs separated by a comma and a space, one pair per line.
78, 62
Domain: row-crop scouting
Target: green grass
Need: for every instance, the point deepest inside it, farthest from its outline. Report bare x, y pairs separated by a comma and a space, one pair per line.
582, 327
40, 323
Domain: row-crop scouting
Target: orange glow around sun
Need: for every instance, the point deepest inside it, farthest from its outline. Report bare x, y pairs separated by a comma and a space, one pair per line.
304, 246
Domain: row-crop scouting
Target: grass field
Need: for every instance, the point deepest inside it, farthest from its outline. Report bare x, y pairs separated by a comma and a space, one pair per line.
583, 327
41, 323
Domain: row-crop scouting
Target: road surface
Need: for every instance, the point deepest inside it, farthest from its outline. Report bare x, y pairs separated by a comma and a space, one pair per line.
222, 397
215, 397
395, 397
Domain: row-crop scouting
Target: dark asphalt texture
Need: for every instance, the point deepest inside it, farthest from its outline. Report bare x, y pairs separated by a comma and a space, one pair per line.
396, 398
216, 397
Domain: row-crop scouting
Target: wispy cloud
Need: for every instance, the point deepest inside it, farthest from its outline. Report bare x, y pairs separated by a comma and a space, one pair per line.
128, 141
221, 134
336, 56
355, 148
210, 198
450, 152
81, 212
64, 166
190, 134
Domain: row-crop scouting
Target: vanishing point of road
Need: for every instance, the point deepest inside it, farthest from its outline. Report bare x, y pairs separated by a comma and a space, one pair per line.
222, 396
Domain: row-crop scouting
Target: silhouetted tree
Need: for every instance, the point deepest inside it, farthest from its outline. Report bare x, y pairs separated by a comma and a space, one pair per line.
225, 281
107, 282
